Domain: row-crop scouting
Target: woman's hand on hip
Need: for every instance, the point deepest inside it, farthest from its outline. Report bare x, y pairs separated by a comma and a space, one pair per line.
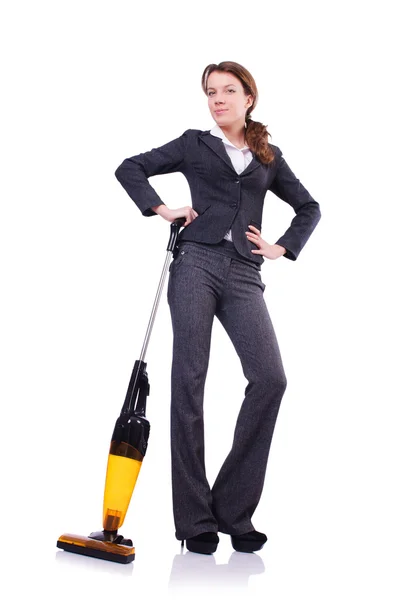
271, 251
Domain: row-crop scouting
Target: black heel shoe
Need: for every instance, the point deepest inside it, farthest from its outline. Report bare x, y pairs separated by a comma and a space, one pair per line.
249, 542
204, 543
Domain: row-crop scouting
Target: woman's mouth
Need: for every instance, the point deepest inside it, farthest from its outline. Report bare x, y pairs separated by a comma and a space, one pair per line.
220, 111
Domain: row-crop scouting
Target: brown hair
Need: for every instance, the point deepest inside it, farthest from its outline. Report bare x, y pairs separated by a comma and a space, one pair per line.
256, 134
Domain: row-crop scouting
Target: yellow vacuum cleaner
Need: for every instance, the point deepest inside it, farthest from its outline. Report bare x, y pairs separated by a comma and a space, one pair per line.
127, 449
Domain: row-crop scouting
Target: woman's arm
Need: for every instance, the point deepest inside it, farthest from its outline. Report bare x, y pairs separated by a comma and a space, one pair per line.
133, 173
288, 187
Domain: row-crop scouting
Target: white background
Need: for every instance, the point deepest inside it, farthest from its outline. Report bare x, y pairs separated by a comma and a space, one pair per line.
87, 84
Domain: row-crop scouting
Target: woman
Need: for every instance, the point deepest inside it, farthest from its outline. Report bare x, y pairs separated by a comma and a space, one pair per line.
216, 272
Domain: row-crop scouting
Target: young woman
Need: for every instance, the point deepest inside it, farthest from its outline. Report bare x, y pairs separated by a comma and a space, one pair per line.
216, 272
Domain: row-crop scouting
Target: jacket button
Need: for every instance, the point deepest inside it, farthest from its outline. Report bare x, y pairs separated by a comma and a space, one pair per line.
233, 205
237, 181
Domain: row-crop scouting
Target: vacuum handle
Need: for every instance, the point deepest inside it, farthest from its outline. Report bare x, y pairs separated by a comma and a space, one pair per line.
175, 227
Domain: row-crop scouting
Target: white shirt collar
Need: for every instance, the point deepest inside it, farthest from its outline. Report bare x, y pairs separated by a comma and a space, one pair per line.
217, 132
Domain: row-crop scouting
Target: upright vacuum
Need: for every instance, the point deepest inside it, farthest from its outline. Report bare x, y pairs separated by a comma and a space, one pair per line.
127, 448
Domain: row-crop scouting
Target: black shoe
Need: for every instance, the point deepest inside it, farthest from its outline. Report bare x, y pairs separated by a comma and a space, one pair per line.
204, 543
249, 542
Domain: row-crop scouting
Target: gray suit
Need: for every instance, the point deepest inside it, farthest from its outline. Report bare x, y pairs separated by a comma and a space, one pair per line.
206, 281
222, 198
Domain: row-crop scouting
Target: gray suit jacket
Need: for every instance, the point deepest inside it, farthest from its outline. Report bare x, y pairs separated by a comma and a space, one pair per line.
222, 198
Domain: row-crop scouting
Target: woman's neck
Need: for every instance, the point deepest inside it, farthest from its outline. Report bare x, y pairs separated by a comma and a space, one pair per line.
235, 135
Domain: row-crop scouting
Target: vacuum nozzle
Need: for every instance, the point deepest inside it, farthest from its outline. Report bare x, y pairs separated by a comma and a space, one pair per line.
120, 550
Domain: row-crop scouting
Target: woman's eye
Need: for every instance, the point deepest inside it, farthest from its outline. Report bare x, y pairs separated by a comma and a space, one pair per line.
231, 90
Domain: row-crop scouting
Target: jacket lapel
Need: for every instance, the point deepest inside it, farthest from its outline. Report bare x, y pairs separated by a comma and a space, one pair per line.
217, 146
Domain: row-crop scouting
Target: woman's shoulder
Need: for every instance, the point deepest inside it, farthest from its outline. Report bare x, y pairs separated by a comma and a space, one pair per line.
275, 149
277, 154
194, 136
196, 132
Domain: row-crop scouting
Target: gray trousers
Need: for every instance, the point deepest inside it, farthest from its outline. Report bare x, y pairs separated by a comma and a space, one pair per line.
202, 284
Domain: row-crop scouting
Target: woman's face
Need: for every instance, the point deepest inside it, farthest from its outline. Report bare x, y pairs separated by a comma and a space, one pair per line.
226, 99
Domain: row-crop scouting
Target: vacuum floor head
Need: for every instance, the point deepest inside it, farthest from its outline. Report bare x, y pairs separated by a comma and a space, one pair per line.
88, 546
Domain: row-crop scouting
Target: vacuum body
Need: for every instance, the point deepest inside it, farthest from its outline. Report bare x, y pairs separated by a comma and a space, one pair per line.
128, 447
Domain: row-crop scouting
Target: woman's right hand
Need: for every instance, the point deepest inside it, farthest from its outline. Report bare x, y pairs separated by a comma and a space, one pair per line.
170, 214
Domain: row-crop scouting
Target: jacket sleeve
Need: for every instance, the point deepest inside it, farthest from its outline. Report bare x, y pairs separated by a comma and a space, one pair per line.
286, 186
133, 172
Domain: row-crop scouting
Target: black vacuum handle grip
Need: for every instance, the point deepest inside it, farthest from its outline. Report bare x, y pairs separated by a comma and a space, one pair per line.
175, 227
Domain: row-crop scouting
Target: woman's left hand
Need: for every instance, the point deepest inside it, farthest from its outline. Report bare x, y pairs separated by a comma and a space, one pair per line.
271, 251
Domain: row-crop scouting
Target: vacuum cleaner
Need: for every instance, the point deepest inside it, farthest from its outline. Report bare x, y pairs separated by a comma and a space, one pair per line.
127, 448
